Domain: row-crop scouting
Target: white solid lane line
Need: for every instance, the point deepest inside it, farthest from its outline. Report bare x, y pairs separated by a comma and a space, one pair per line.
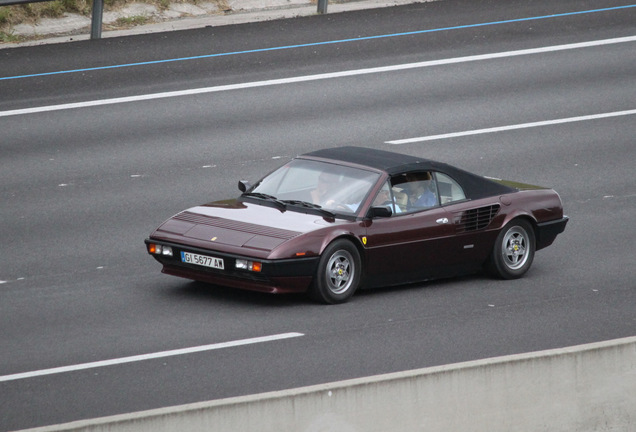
316, 77
511, 127
150, 356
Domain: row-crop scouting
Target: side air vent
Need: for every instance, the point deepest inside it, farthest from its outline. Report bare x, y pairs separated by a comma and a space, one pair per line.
475, 219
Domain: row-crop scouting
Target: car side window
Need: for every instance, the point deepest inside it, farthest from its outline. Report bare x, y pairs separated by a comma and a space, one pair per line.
449, 189
386, 197
415, 191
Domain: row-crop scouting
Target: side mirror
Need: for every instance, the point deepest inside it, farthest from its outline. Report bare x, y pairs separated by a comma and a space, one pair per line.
379, 212
244, 185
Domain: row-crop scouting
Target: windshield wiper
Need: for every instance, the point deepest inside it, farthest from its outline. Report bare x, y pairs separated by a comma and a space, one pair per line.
313, 206
280, 204
302, 203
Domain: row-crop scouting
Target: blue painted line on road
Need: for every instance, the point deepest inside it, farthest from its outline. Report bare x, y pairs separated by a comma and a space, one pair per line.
315, 77
314, 44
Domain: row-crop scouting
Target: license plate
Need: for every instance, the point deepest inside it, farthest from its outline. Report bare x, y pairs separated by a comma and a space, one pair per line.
202, 260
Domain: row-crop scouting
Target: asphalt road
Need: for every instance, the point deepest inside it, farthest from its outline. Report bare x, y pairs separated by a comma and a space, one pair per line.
81, 187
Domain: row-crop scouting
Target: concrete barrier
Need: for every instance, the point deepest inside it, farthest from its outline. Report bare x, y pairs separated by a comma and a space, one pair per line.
584, 388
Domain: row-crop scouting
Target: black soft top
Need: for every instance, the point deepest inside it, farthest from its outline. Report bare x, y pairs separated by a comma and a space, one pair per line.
392, 163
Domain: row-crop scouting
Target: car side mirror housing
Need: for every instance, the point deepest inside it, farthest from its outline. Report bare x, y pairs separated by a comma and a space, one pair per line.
244, 185
379, 212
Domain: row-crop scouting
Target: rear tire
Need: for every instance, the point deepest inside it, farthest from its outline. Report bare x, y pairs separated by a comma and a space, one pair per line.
338, 274
513, 252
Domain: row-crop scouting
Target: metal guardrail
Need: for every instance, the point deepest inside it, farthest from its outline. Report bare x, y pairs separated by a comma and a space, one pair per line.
15, 2
96, 21
98, 12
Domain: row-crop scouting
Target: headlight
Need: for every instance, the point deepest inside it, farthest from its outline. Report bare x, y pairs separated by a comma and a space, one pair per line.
254, 266
157, 249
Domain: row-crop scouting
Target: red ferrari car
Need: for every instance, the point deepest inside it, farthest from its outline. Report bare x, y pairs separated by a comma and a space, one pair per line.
331, 221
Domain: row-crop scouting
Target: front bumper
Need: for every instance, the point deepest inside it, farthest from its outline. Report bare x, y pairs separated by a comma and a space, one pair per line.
276, 276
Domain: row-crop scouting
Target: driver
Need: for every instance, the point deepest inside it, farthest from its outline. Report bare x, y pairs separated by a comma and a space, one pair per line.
335, 194
327, 182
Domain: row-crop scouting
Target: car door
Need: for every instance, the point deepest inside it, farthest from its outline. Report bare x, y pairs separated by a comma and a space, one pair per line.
408, 247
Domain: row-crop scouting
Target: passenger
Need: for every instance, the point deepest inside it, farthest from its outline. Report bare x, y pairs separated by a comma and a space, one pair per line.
384, 199
420, 190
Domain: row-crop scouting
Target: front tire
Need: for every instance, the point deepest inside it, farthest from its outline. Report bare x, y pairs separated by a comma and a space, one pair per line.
513, 252
338, 274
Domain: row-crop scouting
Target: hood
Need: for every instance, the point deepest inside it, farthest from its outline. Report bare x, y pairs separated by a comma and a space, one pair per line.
239, 224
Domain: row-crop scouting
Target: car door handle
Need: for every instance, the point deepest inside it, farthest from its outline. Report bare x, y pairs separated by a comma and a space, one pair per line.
442, 221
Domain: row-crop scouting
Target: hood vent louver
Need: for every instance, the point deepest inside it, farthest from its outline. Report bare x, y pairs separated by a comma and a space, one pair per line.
244, 227
475, 219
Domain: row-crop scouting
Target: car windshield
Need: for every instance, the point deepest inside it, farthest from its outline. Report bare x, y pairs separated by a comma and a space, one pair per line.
309, 183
